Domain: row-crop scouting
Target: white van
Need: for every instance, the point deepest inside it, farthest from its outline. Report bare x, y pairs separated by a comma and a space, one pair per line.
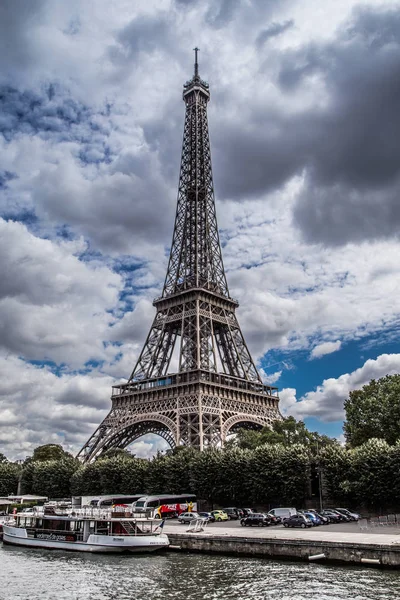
283, 513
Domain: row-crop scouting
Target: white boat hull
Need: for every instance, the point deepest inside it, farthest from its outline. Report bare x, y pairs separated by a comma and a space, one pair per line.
95, 543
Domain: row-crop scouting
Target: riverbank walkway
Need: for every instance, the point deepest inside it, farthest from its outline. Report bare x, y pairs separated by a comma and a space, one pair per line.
340, 543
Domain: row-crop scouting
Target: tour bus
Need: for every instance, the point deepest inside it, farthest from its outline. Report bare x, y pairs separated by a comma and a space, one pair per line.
166, 505
114, 500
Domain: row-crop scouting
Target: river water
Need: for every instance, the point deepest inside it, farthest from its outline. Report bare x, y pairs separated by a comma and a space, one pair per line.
55, 575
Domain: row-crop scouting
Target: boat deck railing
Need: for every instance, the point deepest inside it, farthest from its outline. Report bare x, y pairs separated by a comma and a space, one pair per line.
89, 512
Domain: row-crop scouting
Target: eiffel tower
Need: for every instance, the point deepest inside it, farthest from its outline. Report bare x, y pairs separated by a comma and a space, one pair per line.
216, 387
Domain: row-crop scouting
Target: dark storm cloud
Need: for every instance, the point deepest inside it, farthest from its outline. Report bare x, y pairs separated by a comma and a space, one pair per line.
273, 30
186, 2
348, 147
143, 34
222, 12
17, 17
338, 214
5, 177
50, 113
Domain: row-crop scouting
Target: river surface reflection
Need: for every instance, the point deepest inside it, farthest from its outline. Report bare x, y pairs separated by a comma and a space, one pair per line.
55, 575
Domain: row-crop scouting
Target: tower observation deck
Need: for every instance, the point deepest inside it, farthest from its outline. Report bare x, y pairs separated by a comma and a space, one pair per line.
216, 387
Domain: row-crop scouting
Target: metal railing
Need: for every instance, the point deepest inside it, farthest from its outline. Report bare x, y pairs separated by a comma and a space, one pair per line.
391, 520
89, 512
193, 377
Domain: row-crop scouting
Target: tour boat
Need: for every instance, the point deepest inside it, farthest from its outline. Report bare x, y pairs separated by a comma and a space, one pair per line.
86, 530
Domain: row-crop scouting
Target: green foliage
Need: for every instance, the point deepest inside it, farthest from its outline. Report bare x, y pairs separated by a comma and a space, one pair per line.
371, 475
364, 476
285, 432
280, 474
3, 458
52, 478
205, 475
156, 476
276, 473
374, 412
120, 474
336, 464
117, 452
235, 466
28, 469
48, 472
50, 452
86, 480
177, 470
9, 475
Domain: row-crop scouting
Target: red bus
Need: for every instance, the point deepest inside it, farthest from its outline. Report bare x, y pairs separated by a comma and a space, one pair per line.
166, 505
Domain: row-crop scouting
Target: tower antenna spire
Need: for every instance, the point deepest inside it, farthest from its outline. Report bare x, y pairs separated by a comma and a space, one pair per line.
196, 64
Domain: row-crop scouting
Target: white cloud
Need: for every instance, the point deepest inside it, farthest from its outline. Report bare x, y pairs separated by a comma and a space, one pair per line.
148, 445
53, 306
325, 348
270, 379
39, 407
326, 402
293, 294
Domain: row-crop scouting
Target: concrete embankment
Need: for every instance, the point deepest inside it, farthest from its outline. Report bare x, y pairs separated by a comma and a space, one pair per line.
310, 545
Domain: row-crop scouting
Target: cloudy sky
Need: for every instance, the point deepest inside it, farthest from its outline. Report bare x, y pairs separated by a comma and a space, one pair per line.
305, 133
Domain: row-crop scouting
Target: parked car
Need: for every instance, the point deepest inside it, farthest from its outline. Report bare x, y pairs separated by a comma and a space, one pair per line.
316, 520
343, 517
247, 511
207, 515
188, 517
220, 515
282, 513
333, 516
258, 519
353, 516
233, 513
324, 520
297, 521
274, 520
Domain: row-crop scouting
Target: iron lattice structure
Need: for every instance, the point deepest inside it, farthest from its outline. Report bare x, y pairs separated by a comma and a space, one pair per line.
216, 386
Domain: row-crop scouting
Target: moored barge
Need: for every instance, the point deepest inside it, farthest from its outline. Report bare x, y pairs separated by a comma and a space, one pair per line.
86, 530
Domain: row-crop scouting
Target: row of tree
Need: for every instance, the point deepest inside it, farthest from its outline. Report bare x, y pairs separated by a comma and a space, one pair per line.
274, 466
268, 475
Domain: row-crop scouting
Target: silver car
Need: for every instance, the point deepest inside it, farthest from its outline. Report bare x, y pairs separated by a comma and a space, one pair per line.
188, 517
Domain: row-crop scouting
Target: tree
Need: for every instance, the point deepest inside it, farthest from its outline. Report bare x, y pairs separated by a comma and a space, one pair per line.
286, 432
177, 469
337, 467
50, 452
3, 458
9, 475
52, 478
116, 452
279, 475
205, 475
371, 475
374, 412
86, 480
